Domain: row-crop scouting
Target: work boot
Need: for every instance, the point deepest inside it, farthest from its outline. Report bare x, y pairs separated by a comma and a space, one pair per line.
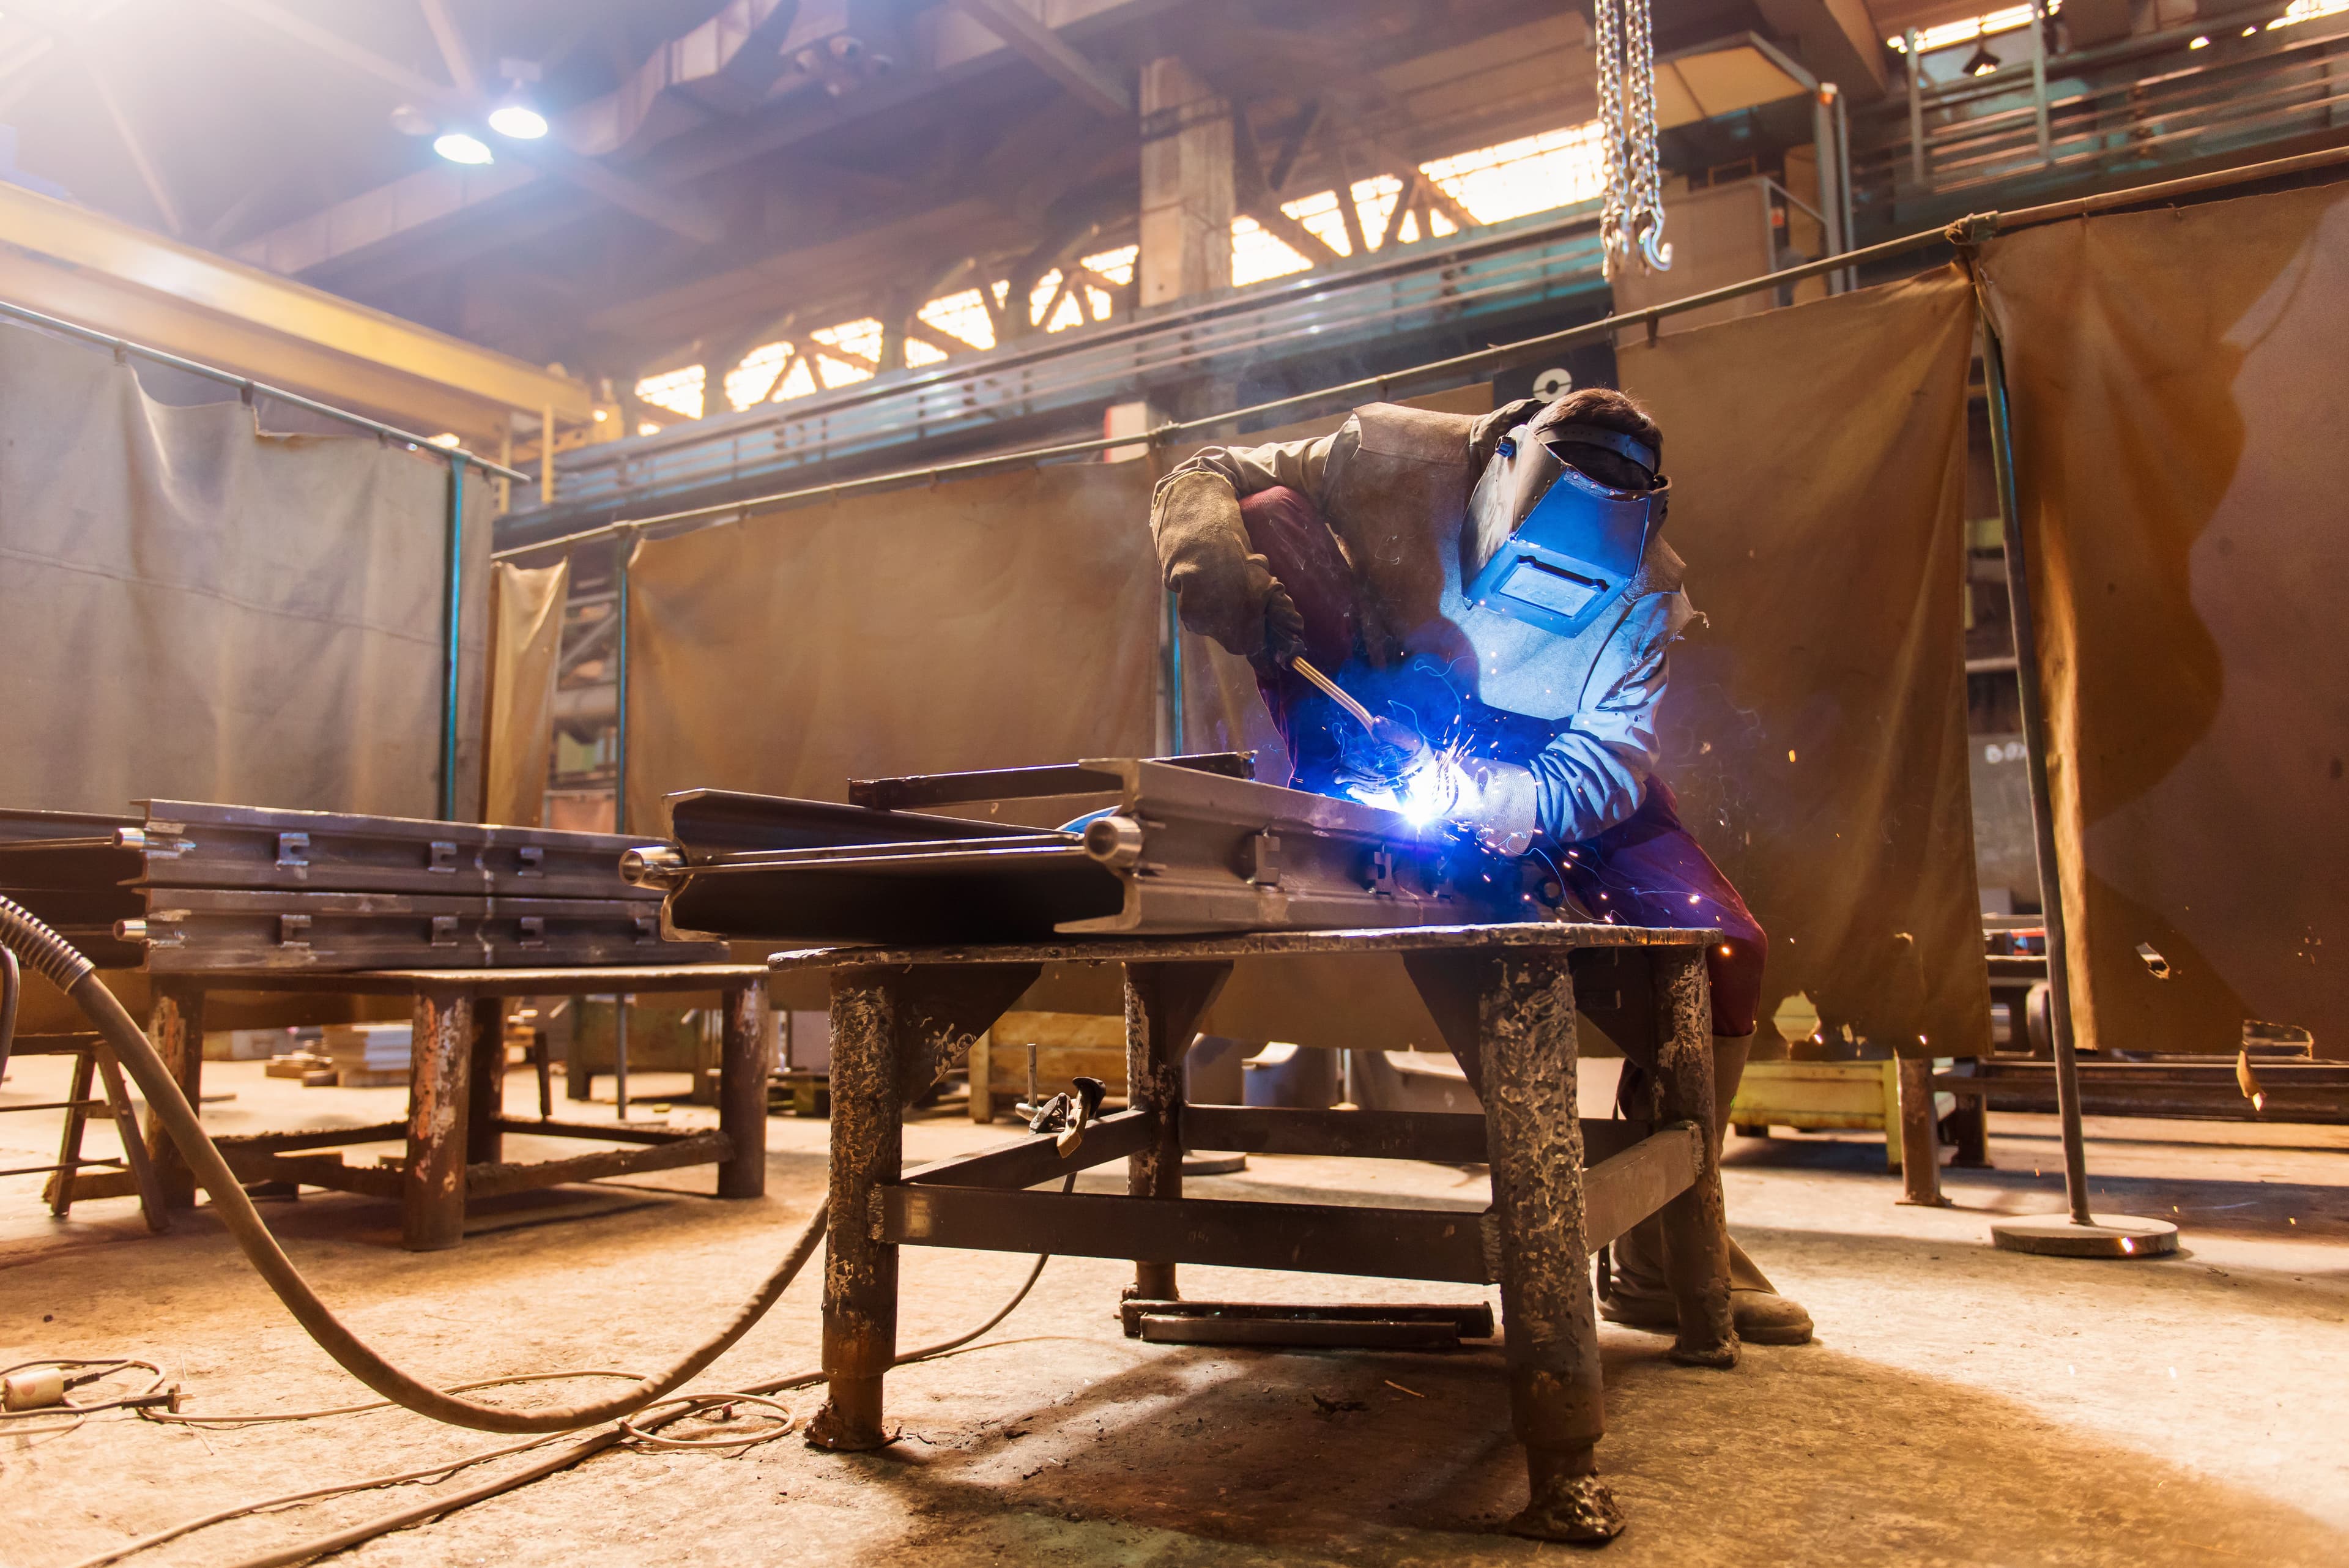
1640, 1299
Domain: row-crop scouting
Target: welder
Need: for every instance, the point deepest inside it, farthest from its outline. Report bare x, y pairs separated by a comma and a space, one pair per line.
1496, 594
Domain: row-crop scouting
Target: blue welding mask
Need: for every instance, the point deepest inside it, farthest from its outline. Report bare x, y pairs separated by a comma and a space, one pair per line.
1548, 544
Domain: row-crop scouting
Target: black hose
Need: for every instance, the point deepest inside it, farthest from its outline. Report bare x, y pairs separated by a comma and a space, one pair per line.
47, 953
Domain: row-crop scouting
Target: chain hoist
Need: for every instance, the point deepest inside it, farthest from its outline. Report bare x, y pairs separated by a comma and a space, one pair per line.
1631, 222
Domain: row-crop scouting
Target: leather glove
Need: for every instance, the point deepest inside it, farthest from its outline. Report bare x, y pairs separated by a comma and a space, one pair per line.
1499, 801
1222, 589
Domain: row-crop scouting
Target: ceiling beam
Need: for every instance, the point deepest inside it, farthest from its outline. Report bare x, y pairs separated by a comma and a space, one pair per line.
1837, 38
149, 175
679, 214
1092, 86
452, 44
334, 46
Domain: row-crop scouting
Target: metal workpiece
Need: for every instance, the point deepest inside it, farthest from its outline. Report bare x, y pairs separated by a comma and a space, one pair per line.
1182, 849
189, 844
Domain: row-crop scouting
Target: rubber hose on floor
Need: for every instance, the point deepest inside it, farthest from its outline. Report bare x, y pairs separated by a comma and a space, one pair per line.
50, 954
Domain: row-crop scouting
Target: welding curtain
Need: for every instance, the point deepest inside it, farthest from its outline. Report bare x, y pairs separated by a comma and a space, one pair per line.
2179, 408
197, 610
1814, 729
992, 622
525, 638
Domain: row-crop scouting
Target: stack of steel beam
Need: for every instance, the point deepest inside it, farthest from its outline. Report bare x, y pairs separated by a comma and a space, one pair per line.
184, 888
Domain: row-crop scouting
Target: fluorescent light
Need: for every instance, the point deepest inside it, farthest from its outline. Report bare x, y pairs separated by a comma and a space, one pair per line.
518, 121
446, 438
2199, 44
458, 147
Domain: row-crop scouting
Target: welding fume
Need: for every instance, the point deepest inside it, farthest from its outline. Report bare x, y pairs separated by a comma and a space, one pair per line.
1469, 619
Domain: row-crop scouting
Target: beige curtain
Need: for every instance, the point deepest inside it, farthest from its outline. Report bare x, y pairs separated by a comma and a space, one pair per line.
198, 611
1815, 726
2178, 409
525, 638
992, 622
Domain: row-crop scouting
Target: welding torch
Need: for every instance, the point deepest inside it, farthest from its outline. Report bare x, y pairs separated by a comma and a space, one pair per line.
1401, 738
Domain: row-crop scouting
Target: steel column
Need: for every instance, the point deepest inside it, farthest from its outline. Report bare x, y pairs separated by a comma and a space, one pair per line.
432, 1181
1915, 107
452, 651
2034, 742
860, 1272
742, 1092
1162, 1004
624, 546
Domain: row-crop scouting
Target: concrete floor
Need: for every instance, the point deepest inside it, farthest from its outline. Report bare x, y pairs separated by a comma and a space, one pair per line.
1963, 1406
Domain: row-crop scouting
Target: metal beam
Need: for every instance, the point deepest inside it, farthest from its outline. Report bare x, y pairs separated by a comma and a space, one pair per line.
334, 46
149, 175
83, 267
1051, 53
452, 44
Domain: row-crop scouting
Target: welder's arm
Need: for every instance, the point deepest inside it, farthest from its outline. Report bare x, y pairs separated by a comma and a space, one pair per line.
1593, 775
1222, 589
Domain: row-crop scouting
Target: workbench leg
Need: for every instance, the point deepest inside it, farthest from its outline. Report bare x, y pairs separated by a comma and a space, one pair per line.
1695, 1223
743, 1091
432, 1183
134, 1150
1972, 1118
1525, 1030
175, 1027
61, 1185
860, 1274
1920, 1138
1162, 1004
485, 1099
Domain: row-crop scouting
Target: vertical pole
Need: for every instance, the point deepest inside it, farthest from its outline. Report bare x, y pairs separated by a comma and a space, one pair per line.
620, 1056
2039, 82
432, 1182
860, 1272
1533, 1135
546, 456
1695, 1224
1842, 185
1830, 199
2035, 743
175, 1027
625, 544
743, 1091
1916, 109
1162, 1004
454, 631
1921, 1146
1175, 740
486, 1088
505, 460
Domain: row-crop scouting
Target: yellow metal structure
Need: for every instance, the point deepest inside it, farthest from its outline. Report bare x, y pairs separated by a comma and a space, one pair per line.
1819, 1096
114, 276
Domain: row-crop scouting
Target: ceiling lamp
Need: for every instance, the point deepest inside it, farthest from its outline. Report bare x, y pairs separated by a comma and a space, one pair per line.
458, 147
1983, 62
518, 120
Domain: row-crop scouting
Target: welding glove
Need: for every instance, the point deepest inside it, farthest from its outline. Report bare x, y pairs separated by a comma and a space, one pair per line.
1499, 803
1222, 589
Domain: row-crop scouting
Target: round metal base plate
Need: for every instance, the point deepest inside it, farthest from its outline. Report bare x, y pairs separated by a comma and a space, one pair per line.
1214, 1164
2111, 1236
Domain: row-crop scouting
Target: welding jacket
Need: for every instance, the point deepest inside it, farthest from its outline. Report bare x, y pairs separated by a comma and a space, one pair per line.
1394, 484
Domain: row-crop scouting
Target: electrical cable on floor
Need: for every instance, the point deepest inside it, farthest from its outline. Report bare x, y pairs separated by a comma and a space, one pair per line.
22, 933
71, 1374
637, 1427
51, 955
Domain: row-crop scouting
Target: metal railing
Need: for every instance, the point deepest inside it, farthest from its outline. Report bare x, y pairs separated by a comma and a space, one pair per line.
2129, 109
1488, 271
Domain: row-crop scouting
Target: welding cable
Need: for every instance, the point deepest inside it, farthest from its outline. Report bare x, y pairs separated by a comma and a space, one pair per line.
587, 1447
50, 955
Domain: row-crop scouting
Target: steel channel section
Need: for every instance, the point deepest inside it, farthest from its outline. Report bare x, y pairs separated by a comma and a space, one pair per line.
1184, 851
194, 929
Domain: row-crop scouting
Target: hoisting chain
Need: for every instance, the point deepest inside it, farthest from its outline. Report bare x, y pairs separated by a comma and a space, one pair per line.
1631, 220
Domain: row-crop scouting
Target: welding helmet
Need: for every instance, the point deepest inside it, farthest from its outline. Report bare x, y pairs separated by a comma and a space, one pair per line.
1549, 546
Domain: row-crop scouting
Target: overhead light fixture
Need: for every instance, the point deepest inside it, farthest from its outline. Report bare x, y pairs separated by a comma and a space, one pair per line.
515, 115
460, 147
516, 119
2201, 43
1982, 62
